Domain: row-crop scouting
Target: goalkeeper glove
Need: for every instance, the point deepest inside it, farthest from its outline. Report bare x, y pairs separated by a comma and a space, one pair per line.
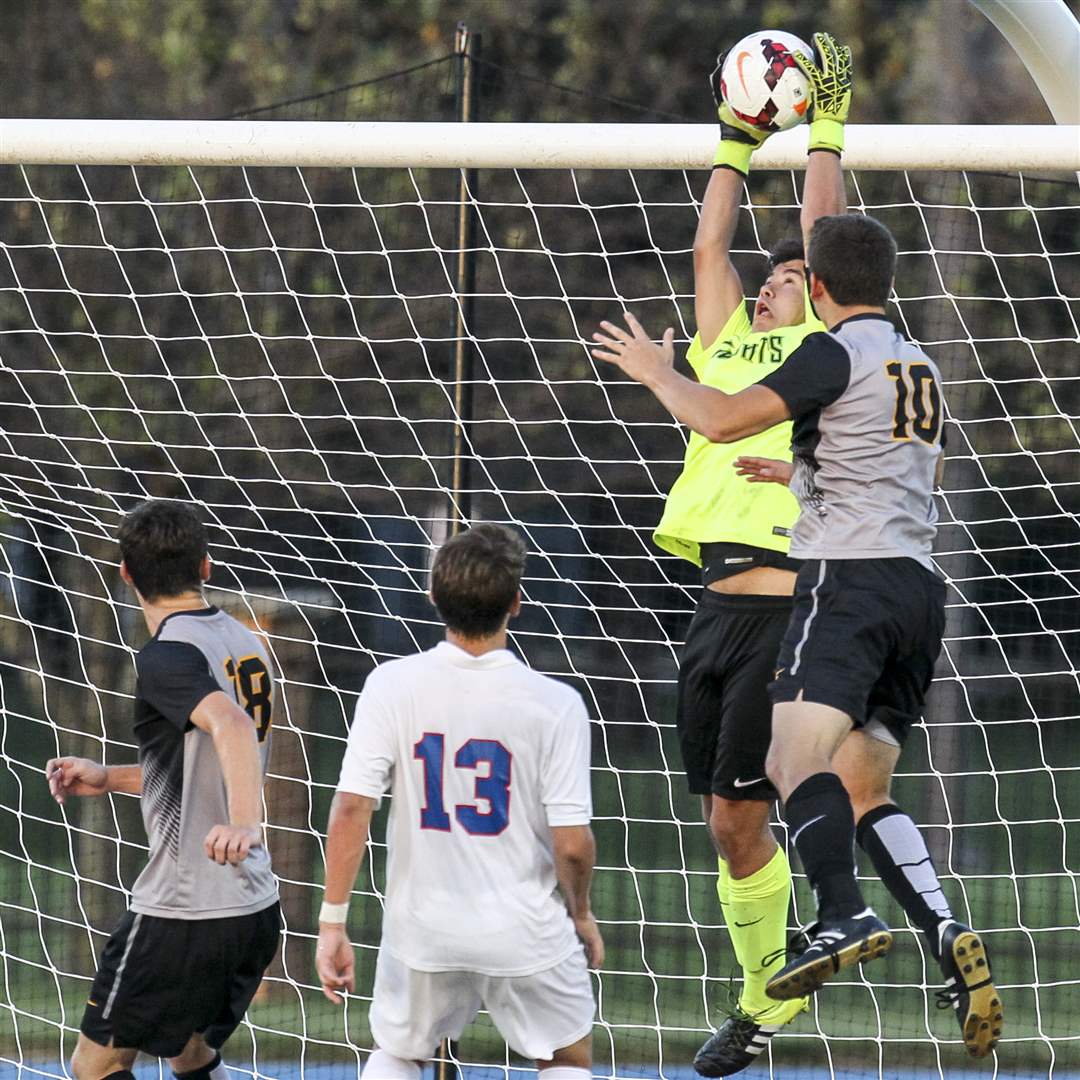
738, 139
830, 82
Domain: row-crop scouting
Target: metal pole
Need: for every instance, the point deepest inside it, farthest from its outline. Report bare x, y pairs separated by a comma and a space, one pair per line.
466, 48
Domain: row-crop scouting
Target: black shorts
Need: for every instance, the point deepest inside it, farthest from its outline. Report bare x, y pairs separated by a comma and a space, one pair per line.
864, 637
160, 981
724, 716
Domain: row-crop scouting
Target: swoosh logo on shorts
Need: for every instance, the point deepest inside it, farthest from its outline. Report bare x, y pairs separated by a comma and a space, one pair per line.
738, 65
748, 783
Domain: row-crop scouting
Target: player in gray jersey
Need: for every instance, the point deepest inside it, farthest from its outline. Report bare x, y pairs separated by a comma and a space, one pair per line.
859, 653
178, 973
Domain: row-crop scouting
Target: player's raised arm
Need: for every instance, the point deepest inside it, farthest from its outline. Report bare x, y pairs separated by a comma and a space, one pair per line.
718, 291
241, 766
829, 72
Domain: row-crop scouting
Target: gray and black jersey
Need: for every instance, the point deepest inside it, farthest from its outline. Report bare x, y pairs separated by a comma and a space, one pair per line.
867, 437
193, 654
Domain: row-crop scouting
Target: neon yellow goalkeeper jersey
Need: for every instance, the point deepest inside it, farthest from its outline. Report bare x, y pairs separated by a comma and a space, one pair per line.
709, 503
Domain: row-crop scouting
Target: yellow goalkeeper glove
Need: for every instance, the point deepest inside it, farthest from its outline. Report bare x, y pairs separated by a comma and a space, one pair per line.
830, 84
738, 139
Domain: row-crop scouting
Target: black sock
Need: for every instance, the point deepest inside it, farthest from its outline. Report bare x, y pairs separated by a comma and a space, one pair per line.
822, 827
900, 857
202, 1073
121, 1074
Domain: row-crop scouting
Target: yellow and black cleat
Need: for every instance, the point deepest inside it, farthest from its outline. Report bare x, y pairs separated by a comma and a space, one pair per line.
969, 989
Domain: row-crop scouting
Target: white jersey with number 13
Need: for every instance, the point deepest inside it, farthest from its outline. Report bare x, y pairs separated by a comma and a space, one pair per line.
482, 757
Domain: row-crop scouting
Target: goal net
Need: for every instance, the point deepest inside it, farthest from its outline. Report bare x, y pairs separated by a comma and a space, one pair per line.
277, 347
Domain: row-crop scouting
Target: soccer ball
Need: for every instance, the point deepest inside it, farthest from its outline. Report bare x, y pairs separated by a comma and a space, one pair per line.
762, 83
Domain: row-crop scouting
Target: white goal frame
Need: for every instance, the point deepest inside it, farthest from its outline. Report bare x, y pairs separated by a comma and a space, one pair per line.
505, 146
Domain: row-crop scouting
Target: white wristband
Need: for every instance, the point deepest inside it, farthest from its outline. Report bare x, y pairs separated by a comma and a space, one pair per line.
334, 913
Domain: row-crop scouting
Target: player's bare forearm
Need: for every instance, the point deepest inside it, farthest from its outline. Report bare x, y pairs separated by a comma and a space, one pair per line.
237, 749
346, 843
823, 190
81, 776
238, 753
124, 778
575, 854
717, 288
710, 412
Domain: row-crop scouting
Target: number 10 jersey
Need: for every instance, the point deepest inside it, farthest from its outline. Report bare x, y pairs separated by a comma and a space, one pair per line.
483, 757
868, 434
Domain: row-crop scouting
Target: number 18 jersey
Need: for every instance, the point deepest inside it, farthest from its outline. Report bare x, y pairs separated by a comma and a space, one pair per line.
482, 757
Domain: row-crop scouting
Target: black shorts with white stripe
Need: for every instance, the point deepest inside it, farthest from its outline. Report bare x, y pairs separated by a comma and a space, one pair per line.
864, 637
160, 981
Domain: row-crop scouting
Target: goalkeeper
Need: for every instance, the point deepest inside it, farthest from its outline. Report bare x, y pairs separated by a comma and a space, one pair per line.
738, 534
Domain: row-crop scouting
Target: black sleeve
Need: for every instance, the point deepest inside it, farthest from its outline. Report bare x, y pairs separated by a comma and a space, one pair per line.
813, 376
174, 676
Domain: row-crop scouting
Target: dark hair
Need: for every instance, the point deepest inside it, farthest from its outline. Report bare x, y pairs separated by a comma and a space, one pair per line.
854, 256
475, 577
785, 251
163, 545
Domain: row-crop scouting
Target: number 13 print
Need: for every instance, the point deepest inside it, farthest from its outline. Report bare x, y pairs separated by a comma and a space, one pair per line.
494, 788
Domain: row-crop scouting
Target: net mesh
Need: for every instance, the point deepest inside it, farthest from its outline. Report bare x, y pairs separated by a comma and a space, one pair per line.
277, 347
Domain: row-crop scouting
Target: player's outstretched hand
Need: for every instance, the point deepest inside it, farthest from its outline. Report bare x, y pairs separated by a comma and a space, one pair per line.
75, 776
334, 961
764, 470
633, 351
589, 935
231, 843
738, 139
830, 82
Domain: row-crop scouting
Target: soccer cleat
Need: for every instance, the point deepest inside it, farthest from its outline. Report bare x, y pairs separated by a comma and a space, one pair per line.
831, 946
969, 988
737, 1043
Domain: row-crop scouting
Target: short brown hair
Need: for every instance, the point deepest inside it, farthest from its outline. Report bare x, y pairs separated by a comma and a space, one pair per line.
475, 578
163, 545
854, 257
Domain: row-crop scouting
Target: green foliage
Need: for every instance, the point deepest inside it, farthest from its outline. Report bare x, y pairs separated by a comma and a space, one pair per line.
192, 58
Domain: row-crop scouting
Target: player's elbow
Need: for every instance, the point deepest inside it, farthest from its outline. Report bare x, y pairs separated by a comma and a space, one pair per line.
351, 811
709, 254
222, 719
574, 846
721, 429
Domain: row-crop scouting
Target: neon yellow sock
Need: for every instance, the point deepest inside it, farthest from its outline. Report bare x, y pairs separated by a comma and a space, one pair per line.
723, 885
756, 914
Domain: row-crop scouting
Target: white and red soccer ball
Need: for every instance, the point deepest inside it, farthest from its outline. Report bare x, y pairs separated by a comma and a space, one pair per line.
762, 83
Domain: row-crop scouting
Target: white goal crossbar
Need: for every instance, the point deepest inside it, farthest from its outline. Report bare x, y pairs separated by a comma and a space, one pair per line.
496, 146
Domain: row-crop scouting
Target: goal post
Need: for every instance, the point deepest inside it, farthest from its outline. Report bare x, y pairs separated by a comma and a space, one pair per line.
378, 144
273, 345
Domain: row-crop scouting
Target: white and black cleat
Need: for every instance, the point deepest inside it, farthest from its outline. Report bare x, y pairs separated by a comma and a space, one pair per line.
737, 1043
832, 946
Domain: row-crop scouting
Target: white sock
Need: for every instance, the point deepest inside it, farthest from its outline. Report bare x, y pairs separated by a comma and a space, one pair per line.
564, 1072
220, 1073
384, 1066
